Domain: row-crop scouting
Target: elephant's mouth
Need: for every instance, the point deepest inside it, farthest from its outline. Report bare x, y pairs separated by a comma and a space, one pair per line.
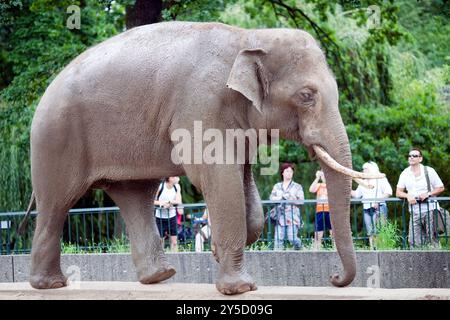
319, 152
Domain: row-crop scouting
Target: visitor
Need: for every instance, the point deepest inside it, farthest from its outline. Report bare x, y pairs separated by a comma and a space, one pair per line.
322, 221
373, 210
287, 217
167, 199
417, 183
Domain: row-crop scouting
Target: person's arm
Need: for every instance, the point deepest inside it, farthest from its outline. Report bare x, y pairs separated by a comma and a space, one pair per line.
435, 180
159, 203
315, 185
164, 204
400, 193
386, 190
273, 194
436, 191
401, 190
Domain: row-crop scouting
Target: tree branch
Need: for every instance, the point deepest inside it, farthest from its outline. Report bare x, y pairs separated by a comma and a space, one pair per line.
294, 14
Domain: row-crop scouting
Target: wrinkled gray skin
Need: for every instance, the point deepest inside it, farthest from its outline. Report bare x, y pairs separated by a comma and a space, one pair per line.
106, 121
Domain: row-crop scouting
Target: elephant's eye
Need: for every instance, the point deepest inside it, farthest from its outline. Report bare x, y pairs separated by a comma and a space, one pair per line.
305, 97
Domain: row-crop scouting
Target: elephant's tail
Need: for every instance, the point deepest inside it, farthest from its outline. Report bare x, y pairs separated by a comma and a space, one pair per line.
24, 223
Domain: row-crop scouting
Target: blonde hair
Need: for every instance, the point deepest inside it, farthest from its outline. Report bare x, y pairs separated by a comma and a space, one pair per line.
372, 166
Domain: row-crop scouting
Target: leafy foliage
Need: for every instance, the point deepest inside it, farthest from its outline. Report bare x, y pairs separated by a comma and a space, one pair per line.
36, 45
387, 237
393, 74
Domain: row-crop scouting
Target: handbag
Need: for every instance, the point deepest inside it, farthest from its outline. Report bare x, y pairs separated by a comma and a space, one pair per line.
275, 212
443, 221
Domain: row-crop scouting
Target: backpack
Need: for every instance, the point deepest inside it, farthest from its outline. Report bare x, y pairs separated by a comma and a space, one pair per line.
161, 188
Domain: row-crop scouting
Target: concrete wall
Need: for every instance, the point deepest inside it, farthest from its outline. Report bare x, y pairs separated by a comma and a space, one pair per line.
6, 269
396, 269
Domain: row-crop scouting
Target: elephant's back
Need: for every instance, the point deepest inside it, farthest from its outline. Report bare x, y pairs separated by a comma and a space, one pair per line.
130, 64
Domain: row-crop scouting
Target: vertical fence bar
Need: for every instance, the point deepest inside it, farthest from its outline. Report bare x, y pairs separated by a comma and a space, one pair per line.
404, 227
84, 230
77, 233
92, 231
1, 241
8, 238
100, 229
69, 228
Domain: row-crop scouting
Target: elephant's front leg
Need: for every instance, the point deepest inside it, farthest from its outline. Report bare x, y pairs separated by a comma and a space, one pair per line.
223, 189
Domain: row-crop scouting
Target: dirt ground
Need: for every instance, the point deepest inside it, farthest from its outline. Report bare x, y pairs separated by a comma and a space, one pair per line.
187, 291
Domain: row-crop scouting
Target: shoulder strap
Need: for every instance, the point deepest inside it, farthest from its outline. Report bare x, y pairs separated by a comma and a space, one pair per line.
160, 190
427, 177
175, 187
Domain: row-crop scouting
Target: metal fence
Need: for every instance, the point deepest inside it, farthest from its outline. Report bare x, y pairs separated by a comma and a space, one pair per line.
99, 230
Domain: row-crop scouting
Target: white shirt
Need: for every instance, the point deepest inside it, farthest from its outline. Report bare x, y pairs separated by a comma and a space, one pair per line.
415, 186
166, 195
381, 187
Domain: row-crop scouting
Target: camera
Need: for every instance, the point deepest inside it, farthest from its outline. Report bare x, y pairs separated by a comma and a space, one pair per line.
420, 201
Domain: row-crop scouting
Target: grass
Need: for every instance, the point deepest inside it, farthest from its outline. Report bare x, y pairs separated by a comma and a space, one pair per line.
387, 237
119, 245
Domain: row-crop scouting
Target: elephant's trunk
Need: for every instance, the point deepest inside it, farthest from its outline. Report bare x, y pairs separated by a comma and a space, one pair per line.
339, 192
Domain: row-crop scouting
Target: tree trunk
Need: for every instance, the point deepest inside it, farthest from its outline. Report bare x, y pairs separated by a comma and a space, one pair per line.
143, 12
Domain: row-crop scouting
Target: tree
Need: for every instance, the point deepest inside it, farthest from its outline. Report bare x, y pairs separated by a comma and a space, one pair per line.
143, 12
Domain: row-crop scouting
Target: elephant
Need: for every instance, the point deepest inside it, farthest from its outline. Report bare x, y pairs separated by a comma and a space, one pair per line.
106, 121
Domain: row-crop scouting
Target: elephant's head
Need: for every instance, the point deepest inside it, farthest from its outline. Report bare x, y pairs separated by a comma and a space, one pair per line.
285, 75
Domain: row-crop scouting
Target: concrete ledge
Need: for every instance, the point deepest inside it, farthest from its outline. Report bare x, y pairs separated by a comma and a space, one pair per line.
415, 269
6, 269
92, 267
386, 269
182, 291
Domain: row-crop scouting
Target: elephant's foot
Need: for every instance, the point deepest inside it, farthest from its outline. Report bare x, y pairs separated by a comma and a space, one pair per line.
235, 283
158, 273
40, 281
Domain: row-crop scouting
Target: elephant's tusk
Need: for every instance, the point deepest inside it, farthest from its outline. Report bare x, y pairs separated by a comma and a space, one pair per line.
325, 157
363, 183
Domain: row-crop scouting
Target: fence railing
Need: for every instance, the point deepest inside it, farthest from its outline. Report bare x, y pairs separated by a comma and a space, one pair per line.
103, 230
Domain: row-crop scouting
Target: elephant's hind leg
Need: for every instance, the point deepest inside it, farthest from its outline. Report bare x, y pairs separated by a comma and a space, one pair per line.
135, 200
254, 212
52, 206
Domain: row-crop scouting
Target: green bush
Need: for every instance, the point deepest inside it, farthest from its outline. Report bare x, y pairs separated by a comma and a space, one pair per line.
387, 237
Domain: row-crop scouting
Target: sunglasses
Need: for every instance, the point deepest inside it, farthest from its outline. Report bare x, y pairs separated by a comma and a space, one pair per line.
414, 156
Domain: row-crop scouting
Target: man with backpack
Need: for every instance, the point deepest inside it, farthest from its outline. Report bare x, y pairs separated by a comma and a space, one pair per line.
417, 184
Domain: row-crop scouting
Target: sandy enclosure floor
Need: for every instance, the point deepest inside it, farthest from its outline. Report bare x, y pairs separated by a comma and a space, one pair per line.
186, 291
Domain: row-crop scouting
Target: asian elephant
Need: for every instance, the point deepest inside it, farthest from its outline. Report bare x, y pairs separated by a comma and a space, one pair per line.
106, 122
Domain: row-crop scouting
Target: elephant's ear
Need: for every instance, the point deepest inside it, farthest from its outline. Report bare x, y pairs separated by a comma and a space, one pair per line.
249, 77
